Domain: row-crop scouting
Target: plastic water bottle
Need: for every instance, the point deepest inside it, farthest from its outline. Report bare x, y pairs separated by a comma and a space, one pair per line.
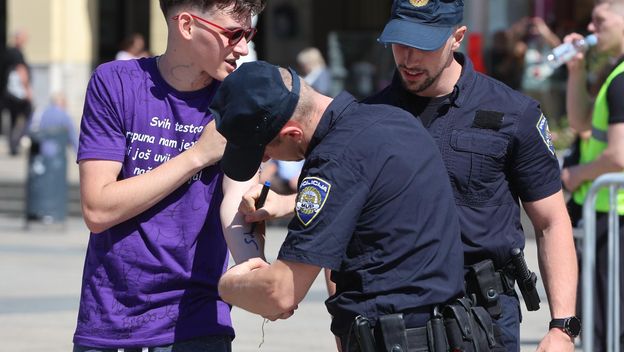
566, 51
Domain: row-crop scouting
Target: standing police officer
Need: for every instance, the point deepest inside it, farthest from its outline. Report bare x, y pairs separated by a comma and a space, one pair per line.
374, 205
497, 150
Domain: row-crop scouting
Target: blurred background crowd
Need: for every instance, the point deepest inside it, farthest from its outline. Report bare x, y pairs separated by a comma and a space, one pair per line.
50, 48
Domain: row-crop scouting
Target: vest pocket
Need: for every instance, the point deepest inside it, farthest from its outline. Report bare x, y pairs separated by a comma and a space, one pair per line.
476, 162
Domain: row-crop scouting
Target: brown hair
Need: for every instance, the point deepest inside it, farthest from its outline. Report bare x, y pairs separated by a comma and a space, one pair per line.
241, 7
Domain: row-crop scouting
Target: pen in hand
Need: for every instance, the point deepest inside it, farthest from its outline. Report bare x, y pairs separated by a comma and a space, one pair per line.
260, 201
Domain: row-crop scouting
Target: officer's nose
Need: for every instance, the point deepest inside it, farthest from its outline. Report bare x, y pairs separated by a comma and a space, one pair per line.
412, 56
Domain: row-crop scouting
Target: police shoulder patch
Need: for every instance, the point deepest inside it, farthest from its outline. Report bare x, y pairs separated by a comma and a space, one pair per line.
542, 128
311, 197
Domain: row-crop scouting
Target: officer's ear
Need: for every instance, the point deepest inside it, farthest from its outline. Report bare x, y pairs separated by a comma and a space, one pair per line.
458, 37
293, 130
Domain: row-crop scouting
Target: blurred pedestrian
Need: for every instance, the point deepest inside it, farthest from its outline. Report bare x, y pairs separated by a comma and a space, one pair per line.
538, 80
158, 207
602, 152
132, 47
50, 131
18, 96
53, 117
315, 71
504, 58
284, 175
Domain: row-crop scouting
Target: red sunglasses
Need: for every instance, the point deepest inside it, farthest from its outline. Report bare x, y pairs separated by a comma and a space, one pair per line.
234, 35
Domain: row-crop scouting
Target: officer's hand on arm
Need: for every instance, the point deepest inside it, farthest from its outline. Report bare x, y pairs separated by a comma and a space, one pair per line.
268, 290
232, 274
275, 206
283, 316
247, 266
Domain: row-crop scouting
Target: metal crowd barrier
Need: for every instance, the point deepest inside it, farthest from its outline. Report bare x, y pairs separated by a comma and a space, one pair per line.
613, 181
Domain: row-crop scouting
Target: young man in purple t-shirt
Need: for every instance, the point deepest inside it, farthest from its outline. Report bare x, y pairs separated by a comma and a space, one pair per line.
152, 193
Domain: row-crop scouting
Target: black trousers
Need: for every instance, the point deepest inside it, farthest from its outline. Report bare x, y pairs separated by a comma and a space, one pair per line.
19, 112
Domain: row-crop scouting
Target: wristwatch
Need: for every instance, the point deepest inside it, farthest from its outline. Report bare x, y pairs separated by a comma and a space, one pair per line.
569, 325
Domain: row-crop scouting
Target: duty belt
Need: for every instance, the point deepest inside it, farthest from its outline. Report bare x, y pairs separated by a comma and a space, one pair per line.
389, 334
459, 325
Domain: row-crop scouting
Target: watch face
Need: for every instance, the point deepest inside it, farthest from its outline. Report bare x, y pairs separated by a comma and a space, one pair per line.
573, 326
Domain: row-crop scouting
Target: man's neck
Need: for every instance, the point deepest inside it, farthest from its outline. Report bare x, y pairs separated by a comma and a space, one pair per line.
181, 74
310, 124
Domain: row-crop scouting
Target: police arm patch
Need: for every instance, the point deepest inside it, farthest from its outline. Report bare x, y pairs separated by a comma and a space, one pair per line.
311, 197
542, 128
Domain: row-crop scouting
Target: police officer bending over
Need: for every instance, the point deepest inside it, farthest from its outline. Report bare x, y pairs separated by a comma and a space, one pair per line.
497, 150
374, 204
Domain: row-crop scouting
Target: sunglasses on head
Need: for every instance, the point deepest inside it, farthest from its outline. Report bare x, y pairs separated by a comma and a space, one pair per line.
234, 35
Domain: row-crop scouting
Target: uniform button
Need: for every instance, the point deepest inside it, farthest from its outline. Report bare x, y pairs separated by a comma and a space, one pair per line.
491, 293
396, 348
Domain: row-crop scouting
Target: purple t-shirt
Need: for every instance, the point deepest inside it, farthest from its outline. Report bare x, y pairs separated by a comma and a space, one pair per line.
151, 280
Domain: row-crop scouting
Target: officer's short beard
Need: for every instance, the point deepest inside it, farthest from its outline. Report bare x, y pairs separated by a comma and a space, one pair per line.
430, 80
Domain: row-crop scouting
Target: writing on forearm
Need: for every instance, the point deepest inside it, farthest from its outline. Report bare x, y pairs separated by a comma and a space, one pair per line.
251, 239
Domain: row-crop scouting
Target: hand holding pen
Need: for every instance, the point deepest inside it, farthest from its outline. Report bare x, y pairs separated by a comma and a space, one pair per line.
260, 201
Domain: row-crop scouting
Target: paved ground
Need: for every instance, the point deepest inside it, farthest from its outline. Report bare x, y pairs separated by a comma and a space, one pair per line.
40, 275
40, 271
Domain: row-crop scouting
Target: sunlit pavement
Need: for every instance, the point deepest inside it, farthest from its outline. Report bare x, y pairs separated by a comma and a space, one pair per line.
41, 269
40, 275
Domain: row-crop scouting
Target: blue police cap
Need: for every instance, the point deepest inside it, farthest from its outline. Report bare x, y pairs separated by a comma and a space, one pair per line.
250, 107
422, 24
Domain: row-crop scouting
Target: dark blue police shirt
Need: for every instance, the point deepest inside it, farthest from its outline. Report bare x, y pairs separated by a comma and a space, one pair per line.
374, 205
497, 149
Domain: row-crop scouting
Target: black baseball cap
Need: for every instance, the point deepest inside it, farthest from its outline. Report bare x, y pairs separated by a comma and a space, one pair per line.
422, 24
250, 107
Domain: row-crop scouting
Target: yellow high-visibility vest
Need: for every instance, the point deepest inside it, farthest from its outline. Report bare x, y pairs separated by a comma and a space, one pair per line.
596, 144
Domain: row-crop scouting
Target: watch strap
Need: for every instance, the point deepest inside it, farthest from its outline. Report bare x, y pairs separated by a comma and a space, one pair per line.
557, 323
570, 325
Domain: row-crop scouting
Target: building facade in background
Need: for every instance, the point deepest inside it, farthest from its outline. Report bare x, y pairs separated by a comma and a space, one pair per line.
69, 38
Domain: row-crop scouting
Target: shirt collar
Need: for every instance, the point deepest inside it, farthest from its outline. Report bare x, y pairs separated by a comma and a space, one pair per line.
466, 79
332, 114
